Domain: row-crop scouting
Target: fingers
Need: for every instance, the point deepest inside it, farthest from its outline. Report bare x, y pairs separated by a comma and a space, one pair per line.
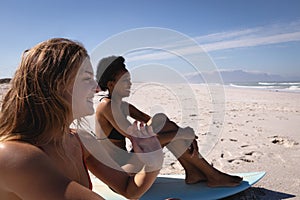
150, 131
142, 132
132, 130
135, 145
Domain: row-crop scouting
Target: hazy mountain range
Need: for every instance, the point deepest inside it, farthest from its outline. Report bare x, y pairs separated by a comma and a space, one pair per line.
227, 76
236, 76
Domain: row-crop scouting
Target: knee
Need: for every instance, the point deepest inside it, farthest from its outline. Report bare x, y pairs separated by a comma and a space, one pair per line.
160, 117
158, 121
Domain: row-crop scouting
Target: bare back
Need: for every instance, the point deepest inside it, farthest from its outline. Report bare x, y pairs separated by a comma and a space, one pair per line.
29, 170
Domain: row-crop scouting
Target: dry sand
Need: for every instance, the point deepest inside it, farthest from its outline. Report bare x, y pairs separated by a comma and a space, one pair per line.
242, 130
258, 131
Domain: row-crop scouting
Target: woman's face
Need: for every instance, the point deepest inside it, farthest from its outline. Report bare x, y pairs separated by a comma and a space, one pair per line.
83, 91
122, 84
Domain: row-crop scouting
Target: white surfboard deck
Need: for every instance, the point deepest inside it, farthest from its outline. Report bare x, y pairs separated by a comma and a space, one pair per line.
173, 186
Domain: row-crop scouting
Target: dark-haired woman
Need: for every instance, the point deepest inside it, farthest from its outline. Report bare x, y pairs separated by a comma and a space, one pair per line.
112, 113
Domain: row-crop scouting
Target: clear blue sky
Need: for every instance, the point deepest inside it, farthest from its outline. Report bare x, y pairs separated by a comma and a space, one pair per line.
256, 35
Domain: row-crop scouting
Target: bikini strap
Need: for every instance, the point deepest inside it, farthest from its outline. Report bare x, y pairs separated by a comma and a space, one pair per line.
83, 159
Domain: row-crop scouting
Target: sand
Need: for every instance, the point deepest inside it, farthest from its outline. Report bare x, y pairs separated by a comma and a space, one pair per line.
242, 130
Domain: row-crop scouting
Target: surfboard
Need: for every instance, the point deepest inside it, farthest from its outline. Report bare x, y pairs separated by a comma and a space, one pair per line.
173, 186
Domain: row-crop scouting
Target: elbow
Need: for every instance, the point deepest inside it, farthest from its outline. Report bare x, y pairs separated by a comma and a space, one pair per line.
132, 194
132, 197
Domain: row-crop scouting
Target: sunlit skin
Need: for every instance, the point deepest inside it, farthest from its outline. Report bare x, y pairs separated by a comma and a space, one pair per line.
49, 171
112, 113
84, 90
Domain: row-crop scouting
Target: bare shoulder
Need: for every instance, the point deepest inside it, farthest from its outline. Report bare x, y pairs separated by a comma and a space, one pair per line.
18, 161
104, 105
18, 155
13, 152
28, 173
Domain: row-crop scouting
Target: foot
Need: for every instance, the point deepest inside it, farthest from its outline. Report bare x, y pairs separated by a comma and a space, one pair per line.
224, 180
193, 177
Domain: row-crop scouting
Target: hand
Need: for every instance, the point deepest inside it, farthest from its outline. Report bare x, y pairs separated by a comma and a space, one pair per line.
146, 146
143, 140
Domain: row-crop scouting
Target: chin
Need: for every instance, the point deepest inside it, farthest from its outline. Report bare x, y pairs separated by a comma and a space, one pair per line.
127, 94
91, 111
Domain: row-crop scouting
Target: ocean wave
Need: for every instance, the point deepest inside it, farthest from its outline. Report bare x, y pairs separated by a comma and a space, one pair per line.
278, 83
294, 88
252, 86
283, 87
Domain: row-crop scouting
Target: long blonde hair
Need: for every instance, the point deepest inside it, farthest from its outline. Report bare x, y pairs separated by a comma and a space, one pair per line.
35, 102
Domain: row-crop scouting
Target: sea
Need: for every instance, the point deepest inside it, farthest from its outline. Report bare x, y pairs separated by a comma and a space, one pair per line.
291, 86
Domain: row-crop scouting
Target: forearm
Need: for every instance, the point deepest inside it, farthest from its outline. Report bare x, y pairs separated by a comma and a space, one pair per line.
122, 182
146, 167
77, 192
169, 132
140, 183
187, 134
166, 137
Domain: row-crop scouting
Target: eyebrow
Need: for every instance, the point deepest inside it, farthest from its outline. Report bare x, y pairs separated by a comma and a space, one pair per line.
89, 72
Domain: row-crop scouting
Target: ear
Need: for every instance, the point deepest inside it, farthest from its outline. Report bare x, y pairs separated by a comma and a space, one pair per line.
110, 85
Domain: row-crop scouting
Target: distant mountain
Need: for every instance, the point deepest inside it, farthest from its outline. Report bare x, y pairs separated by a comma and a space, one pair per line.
5, 80
236, 76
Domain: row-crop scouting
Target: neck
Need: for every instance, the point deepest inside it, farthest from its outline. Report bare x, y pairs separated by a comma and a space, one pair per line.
51, 137
116, 99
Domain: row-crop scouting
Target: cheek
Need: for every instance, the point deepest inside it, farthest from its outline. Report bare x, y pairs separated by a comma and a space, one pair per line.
81, 90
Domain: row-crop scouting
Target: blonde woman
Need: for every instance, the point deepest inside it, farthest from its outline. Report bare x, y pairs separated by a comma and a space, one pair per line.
40, 157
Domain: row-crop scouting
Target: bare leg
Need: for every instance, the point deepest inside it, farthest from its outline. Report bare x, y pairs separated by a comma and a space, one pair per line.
214, 177
192, 174
196, 168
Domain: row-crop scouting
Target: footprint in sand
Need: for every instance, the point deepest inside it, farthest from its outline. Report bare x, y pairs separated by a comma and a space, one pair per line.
248, 146
253, 154
248, 156
283, 141
242, 158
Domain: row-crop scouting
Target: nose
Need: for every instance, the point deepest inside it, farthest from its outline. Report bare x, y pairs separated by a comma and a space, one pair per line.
97, 89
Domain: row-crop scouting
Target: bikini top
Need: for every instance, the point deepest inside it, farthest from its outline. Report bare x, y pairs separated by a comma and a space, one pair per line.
114, 133
84, 163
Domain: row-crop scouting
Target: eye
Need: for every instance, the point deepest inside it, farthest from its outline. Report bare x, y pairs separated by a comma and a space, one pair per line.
86, 78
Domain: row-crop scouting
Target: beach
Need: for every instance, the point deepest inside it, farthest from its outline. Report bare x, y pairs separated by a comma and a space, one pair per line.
257, 131
239, 130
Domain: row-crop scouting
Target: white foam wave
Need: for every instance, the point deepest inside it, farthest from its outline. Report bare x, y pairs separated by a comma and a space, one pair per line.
269, 86
252, 87
279, 83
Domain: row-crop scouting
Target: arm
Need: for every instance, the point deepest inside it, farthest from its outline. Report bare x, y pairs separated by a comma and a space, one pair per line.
30, 174
136, 113
109, 115
129, 186
169, 131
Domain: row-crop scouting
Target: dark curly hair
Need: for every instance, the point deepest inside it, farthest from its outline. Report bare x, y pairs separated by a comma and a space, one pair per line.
107, 70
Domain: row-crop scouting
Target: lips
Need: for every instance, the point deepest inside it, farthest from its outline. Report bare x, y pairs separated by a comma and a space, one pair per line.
90, 99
